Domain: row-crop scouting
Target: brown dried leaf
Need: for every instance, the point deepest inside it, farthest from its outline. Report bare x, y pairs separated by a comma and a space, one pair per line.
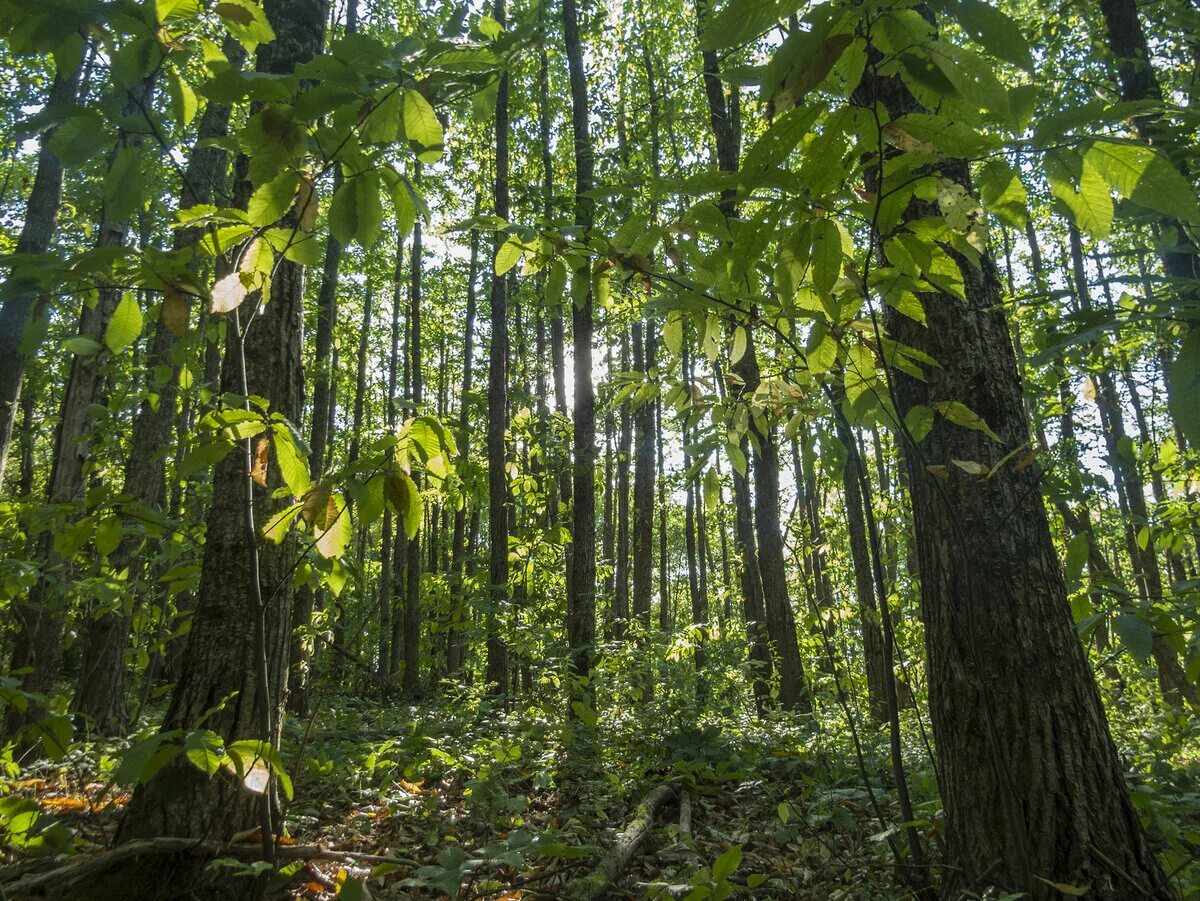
262, 453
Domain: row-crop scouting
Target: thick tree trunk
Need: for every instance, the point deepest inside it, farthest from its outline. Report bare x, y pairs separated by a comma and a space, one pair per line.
1030, 780
222, 667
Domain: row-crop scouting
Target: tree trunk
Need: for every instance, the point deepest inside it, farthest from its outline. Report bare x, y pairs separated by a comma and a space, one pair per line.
411, 680
41, 618
581, 598
100, 696
643, 481
497, 419
1030, 780
222, 665
456, 641
41, 211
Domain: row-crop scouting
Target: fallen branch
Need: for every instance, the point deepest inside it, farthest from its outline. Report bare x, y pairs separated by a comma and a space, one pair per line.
597, 885
83, 868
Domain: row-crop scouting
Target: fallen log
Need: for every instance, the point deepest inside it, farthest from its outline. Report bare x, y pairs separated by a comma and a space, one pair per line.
601, 880
85, 867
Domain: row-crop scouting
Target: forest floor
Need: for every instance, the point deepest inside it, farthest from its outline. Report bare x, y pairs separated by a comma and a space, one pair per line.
470, 801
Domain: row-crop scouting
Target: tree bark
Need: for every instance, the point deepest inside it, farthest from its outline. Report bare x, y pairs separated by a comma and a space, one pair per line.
1030, 780
581, 598
497, 421
100, 696
220, 666
41, 211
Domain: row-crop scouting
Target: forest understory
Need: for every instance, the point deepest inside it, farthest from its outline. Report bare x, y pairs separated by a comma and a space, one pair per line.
499, 449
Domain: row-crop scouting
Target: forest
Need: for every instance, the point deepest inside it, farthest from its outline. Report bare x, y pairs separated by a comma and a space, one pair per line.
570, 449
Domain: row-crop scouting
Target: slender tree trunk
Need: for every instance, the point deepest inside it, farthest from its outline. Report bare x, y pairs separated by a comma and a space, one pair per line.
41, 618
100, 696
581, 599
1173, 682
41, 211
497, 421
456, 641
624, 450
642, 545
411, 680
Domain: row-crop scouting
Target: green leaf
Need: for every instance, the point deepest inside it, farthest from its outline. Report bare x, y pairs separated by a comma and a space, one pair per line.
1146, 177
1002, 192
586, 714
725, 865
826, 255
1077, 554
1090, 206
919, 421
108, 534
421, 125
508, 255
739, 21
183, 99
125, 325
333, 537
1183, 399
356, 213
272, 198
740, 342
673, 333
1135, 633
124, 184
961, 414
293, 463
992, 30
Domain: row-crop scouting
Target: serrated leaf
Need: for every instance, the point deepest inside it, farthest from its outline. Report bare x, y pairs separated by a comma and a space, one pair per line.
508, 255
1146, 177
125, 325
421, 125
356, 213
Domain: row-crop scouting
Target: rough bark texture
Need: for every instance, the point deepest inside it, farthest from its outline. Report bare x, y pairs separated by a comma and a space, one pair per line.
497, 418
219, 664
581, 597
41, 211
1030, 779
41, 618
100, 697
